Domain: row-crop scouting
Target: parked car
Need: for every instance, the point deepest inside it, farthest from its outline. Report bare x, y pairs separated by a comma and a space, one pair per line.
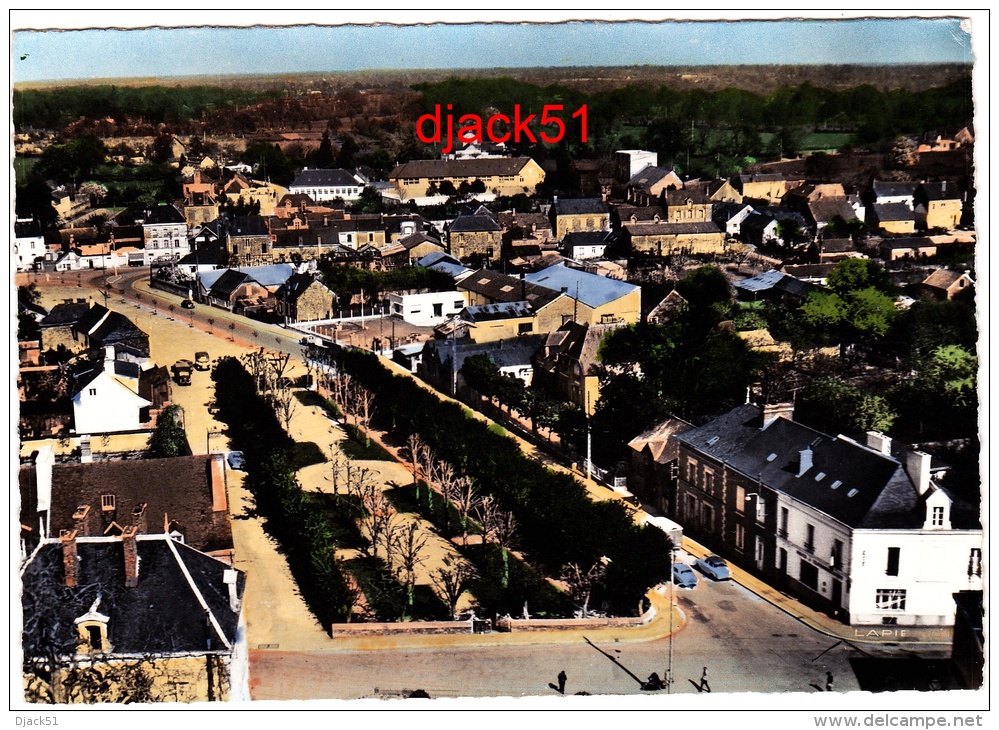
202, 361
187, 304
236, 460
182, 371
713, 567
683, 576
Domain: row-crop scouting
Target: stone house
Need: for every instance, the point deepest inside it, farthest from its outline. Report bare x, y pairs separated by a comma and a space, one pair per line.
303, 298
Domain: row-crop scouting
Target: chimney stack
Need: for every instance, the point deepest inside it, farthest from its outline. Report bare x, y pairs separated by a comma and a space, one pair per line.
44, 461
80, 519
131, 557
879, 442
86, 455
772, 411
139, 518
917, 466
69, 558
229, 577
805, 462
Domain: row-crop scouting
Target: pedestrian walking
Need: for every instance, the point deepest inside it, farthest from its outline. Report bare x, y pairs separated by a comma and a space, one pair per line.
704, 686
829, 682
561, 682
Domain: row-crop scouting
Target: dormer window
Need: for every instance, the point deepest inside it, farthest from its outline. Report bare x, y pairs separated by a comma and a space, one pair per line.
92, 630
938, 517
107, 502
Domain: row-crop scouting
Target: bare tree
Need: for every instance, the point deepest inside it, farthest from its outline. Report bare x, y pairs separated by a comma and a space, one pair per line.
376, 523
497, 526
410, 543
451, 580
465, 500
580, 582
363, 401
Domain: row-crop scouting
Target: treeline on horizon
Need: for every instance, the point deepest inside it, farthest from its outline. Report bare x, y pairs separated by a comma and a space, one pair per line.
56, 108
873, 115
870, 114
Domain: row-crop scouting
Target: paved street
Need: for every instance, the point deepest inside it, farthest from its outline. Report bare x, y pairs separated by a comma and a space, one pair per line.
747, 645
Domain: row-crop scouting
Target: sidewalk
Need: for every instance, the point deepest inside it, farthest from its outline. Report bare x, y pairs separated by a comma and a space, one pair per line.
884, 636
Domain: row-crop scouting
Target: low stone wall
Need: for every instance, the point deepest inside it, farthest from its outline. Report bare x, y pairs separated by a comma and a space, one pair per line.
404, 628
568, 624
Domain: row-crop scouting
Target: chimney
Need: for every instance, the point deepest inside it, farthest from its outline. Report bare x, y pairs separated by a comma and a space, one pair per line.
80, 519
131, 558
69, 557
772, 411
86, 456
805, 462
139, 518
229, 577
109, 357
879, 442
44, 461
917, 466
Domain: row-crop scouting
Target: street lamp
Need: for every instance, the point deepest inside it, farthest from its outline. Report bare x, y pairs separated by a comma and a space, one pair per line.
672, 600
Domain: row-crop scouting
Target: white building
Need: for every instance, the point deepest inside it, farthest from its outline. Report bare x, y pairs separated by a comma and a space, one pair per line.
845, 526
324, 186
29, 244
429, 309
106, 397
164, 230
628, 163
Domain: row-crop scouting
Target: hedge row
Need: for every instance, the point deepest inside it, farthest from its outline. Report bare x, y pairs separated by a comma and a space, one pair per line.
299, 521
557, 521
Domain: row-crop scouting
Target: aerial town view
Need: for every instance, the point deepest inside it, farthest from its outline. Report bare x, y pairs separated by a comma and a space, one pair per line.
568, 363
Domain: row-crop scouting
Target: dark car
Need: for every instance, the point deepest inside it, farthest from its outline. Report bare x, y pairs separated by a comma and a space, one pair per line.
187, 304
713, 567
683, 576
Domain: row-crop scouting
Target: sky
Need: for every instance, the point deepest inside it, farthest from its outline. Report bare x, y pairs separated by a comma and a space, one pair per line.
94, 50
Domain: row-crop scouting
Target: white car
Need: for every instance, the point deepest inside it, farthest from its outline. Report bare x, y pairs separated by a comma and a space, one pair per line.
713, 567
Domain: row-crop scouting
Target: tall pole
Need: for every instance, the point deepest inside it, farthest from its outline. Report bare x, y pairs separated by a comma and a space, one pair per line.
454, 360
589, 440
672, 599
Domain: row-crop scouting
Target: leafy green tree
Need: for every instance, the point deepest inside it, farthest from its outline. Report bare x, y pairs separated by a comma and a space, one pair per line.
169, 438
832, 405
853, 274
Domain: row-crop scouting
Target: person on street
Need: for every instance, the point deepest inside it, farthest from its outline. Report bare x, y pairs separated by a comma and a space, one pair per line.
561, 682
704, 686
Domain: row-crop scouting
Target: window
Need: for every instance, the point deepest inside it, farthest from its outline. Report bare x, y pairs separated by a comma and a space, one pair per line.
740, 536
707, 517
709, 480
107, 502
836, 559
783, 522
894, 554
692, 471
524, 327
438, 309
810, 538
691, 511
92, 391
740, 499
460, 304
938, 517
890, 599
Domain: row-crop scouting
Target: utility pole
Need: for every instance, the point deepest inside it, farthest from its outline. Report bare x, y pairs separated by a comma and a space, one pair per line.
589, 440
672, 600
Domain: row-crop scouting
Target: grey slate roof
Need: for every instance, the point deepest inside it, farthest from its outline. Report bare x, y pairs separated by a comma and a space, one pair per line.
473, 223
163, 614
592, 290
65, 313
893, 212
580, 206
671, 229
475, 167
325, 178
860, 487
162, 214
